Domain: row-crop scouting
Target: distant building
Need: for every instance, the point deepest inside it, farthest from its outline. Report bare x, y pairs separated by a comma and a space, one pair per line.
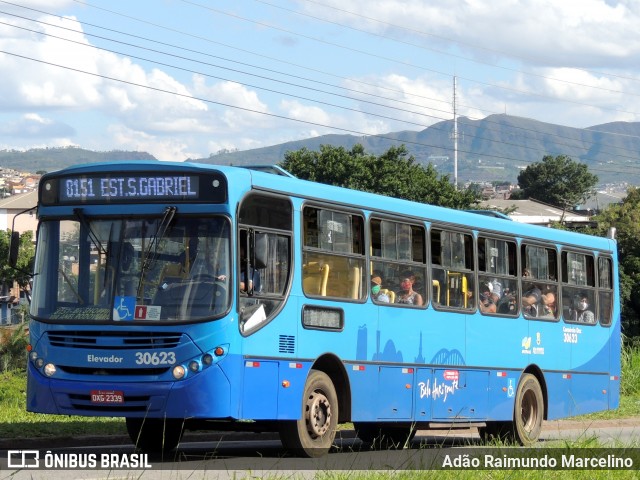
10, 207
534, 212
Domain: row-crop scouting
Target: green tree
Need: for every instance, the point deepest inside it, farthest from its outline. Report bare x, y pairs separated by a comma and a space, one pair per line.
625, 218
21, 274
395, 173
559, 181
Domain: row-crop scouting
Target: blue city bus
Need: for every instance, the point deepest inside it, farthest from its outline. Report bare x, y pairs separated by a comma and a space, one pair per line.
186, 296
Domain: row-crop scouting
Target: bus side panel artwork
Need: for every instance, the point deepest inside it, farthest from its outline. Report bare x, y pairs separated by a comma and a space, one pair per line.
459, 394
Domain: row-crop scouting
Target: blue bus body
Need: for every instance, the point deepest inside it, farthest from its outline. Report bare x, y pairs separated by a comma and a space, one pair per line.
390, 365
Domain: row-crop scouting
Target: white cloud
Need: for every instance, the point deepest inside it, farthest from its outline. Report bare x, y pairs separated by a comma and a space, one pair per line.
161, 148
34, 126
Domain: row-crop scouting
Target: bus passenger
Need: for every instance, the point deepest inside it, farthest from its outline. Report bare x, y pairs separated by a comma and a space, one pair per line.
548, 305
488, 299
580, 311
376, 295
407, 295
530, 301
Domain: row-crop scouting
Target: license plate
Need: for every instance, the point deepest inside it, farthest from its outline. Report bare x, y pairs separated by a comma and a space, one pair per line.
107, 396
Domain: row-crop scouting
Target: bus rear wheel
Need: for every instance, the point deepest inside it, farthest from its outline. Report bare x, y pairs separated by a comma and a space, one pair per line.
528, 410
155, 435
313, 434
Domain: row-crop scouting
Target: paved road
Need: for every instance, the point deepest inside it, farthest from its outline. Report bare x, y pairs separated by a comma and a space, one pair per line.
212, 455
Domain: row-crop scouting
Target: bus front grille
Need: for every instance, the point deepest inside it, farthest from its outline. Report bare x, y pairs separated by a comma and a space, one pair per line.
112, 371
113, 340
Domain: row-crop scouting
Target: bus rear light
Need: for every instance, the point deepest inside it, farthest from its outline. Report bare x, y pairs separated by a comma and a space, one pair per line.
49, 369
179, 372
219, 351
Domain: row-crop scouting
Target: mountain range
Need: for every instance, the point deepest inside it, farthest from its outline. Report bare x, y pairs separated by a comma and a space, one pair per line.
495, 148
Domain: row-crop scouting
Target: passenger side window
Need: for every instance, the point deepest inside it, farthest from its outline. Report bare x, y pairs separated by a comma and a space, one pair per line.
497, 277
398, 253
578, 288
453, 277
539, 282
333, 254
605, 290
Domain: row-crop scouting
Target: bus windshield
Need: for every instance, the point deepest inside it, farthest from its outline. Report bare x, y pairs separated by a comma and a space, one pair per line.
169, 268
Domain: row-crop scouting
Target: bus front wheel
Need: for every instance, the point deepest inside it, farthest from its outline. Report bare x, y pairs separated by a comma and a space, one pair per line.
155, 435
313, 434
528, 410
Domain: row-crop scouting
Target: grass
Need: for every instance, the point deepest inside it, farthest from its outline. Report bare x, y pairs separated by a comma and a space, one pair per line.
16, 422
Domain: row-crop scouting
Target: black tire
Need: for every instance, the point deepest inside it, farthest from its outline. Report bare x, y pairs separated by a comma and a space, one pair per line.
380, 435
528, 411
155, 435
313, 434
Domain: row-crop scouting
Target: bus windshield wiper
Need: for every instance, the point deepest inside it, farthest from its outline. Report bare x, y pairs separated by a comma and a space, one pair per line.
152, 250
92, 235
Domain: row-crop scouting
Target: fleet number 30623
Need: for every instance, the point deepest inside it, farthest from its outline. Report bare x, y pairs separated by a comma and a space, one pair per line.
155, 358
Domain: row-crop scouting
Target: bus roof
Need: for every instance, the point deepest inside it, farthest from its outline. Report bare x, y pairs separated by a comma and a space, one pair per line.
264, 179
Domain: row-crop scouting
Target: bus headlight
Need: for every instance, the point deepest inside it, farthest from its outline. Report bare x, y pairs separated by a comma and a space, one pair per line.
39, 362
178, 372
194, 366
49, 369
207, 359
33, 355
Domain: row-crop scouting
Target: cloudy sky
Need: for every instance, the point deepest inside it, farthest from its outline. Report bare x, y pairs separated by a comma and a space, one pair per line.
187, 78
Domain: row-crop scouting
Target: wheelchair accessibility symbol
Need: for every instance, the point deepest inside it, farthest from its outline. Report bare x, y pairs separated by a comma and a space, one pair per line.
510, 389
124, 308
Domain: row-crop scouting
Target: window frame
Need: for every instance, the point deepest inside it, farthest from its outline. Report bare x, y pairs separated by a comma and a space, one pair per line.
404, 264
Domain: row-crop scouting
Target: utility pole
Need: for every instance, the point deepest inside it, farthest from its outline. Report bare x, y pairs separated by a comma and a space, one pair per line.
455, 137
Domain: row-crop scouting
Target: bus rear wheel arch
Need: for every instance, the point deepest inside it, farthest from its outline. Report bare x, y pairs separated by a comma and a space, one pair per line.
528, 414
313, 434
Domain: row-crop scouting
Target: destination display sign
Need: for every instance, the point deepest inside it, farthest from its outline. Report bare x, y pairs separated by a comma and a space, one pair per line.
133, 188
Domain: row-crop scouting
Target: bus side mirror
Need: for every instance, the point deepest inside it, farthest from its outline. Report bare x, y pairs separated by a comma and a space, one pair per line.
260, 249
14, 249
